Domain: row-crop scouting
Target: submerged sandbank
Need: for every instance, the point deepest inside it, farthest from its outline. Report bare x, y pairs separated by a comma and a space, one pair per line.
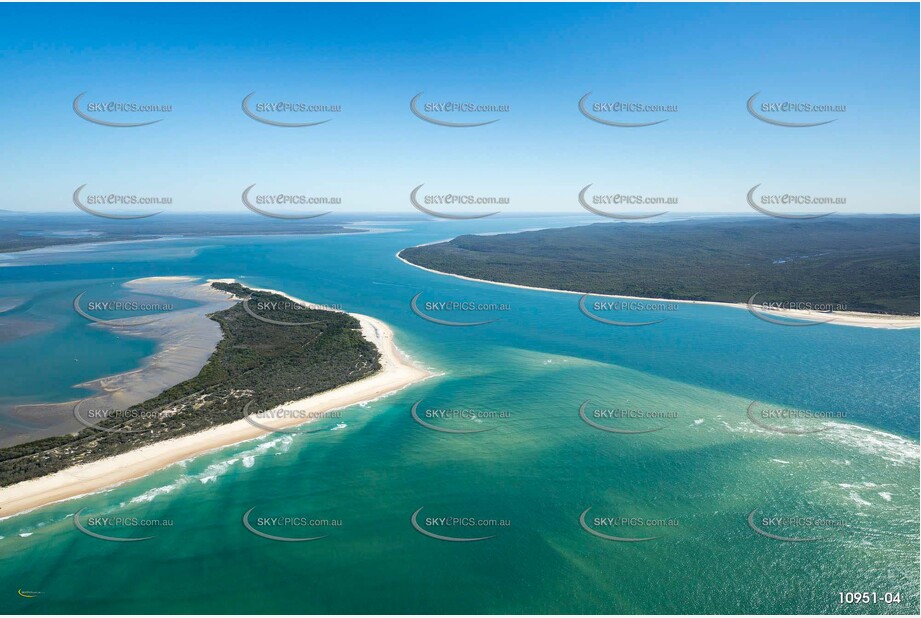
396, 373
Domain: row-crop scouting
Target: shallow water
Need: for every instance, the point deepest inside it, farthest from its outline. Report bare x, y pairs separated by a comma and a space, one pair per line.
534, 473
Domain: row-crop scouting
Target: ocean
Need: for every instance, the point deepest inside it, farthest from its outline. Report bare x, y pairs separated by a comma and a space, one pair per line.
538, 484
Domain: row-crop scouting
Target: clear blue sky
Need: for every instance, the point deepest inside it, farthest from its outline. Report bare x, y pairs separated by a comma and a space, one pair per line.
539, 59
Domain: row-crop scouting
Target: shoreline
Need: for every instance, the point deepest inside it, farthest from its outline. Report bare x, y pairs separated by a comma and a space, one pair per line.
396, 373
843, 318
184, 339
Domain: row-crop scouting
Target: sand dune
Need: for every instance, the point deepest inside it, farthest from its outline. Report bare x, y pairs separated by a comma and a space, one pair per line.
396, 373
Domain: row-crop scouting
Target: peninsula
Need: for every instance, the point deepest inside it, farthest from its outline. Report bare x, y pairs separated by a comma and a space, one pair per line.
866, 268
321, 360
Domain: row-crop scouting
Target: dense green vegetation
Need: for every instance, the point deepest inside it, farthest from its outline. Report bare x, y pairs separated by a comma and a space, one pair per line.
256, 361
863, 263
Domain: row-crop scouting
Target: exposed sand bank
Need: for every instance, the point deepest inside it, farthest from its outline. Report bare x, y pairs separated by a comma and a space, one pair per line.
185, 338
396, 373
841, 318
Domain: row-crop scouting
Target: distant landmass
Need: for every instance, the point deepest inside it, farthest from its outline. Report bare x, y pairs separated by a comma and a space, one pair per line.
258, 362
22, 231
863, 263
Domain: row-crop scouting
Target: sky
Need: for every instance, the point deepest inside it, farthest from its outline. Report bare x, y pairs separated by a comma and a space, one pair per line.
537, 59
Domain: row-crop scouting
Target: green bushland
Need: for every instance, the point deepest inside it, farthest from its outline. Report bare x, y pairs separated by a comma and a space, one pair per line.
255, 361
867, 264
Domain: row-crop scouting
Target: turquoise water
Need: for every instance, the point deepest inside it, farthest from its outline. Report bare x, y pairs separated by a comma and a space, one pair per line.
537, 469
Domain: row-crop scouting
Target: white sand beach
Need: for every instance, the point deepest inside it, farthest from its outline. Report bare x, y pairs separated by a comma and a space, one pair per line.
396, 373
185, 339
840, 318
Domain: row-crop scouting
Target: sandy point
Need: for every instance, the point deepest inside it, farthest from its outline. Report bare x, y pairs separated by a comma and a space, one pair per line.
397, 372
